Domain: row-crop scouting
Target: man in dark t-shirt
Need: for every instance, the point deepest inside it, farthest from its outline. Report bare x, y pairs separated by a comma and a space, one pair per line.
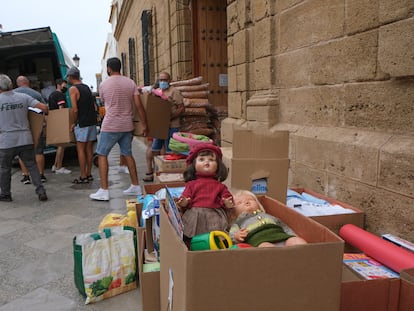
57, 100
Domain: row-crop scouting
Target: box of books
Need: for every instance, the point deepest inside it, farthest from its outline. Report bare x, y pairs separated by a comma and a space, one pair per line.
329, 212
359, 293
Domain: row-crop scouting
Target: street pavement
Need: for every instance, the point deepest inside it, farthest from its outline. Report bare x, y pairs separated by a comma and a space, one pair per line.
36, 253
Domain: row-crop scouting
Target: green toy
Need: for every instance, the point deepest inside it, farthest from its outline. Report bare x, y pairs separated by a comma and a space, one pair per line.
213, 240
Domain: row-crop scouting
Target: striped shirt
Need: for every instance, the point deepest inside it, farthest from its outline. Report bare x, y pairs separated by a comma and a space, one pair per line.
117, 92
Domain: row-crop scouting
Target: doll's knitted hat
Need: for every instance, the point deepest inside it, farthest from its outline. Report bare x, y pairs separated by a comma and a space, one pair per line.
200, 147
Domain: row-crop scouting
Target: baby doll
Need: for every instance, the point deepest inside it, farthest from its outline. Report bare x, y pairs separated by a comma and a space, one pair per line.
254, 226
205, 199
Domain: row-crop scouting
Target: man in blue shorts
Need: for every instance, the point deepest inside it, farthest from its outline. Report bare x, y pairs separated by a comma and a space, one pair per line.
119, 94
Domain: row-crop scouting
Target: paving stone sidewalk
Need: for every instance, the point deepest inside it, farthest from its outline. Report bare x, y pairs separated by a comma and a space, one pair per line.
36, 253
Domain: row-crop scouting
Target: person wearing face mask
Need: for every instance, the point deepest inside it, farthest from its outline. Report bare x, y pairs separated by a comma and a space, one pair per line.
177, 108
57, 100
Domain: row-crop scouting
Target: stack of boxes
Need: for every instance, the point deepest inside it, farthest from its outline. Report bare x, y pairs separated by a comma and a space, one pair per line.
304, 277
167, 171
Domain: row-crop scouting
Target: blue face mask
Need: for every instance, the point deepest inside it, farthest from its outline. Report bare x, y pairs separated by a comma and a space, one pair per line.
164, 85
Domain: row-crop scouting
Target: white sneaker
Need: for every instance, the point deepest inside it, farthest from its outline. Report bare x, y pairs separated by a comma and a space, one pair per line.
133, 190
100, 195
53, 169
123, 169
62, 170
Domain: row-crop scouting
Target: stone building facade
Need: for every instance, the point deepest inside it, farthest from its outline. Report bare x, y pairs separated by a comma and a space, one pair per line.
338, 74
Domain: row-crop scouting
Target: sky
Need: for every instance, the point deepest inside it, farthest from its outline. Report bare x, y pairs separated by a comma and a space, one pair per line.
81, 26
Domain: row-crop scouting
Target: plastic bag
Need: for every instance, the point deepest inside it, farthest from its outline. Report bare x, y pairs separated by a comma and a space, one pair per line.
105, 263
113, 220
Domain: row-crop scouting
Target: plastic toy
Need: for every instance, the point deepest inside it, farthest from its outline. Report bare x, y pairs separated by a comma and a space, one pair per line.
213, 240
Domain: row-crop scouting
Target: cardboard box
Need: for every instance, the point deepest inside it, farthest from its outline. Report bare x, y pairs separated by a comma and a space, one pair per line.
138, 129
395, 294
149, 281
58, 127
335, 222
158, 112
358, 294
153, 188
260, 163
169, 166
36, 125
164, 178
406, 298
304, 277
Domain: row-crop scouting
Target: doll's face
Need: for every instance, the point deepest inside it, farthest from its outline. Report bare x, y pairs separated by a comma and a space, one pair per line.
245, 203
206, 163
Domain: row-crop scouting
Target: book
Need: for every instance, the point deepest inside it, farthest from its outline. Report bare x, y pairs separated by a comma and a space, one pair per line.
173, 213
367, 267
399, 241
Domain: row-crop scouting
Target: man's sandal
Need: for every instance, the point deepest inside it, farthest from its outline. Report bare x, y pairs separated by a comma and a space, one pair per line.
81, 180
148, 177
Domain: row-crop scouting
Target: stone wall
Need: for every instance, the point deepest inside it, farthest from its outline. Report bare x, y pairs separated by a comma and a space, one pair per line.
170, 37
339, 75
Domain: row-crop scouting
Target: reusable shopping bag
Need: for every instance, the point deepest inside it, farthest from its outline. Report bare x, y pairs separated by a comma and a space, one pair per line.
105, 262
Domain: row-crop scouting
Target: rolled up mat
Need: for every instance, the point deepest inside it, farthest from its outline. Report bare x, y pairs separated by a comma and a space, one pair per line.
383, 251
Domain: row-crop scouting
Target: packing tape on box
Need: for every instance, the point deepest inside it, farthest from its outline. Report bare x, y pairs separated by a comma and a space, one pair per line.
383, 251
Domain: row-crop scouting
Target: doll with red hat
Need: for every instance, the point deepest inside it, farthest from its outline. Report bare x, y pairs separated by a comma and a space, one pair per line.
205, 199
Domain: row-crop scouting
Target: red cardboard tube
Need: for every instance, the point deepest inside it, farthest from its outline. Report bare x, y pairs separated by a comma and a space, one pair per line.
381, 250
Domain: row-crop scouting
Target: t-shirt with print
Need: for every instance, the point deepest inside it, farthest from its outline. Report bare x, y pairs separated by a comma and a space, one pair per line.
14, 123
56, 100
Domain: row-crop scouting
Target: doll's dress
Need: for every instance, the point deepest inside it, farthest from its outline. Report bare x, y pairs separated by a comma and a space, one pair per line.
198, 220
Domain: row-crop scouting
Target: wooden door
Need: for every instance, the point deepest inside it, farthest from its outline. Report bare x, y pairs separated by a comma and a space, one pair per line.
210, 47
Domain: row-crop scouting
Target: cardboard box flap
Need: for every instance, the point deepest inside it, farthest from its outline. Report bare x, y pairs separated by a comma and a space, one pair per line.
275, 185
407, 290
249, 144
174, 254
36, 125
149, 281
408, 275
264, 271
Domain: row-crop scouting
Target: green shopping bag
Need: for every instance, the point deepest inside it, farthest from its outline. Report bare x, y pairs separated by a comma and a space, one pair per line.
105, 262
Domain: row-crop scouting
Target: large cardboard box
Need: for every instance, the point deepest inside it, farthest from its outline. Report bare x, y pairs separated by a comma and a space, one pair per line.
260, 163
36, 125
158, 112
335, 222
305, 277
58, 127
